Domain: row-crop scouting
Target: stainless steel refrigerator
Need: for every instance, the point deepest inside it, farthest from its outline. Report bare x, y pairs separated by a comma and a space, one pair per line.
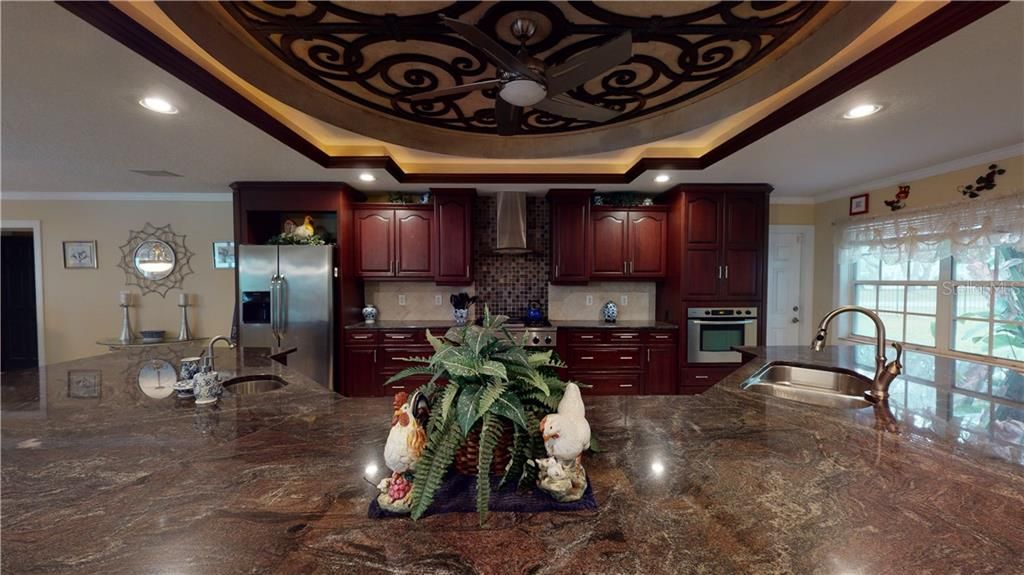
286, 301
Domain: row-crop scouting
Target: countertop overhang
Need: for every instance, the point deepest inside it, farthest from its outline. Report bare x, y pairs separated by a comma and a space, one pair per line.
723, 482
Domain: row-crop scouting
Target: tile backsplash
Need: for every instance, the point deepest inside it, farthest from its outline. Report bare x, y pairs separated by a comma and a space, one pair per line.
508, 283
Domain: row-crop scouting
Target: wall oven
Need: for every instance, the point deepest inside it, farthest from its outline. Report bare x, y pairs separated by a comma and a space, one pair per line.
712, 332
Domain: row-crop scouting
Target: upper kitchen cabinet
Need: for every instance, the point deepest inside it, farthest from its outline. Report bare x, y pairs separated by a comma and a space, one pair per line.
570, 222
453, 236
628, 243
724, 242
394, 243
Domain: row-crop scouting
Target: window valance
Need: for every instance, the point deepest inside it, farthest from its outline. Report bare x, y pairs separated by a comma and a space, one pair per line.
965, 229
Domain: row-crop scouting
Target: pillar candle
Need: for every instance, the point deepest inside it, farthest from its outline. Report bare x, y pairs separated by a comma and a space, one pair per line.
182, 299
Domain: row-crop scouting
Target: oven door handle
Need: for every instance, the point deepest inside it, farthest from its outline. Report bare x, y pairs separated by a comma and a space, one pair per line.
701, 322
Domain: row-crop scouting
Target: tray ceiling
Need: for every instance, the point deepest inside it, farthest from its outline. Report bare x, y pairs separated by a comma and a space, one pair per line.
355, 64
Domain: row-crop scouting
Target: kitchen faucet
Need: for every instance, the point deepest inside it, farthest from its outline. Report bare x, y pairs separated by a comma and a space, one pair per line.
208, 360
884, 373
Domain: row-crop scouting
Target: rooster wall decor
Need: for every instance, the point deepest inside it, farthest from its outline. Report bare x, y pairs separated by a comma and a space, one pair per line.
901, 198
983, 183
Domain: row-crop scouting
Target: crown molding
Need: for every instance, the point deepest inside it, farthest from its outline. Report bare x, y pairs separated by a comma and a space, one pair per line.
117, 196
920, 174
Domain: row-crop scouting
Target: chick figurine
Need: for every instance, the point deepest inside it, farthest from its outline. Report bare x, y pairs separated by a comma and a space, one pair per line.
306, 230
566, 436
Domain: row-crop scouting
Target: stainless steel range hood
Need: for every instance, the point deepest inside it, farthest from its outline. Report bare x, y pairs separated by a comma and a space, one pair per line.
511, 224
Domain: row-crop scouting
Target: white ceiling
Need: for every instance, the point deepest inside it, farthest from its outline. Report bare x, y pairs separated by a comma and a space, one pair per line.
71, 122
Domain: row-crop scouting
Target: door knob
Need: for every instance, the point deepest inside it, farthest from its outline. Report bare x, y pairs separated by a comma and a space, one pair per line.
796, 308
796, 320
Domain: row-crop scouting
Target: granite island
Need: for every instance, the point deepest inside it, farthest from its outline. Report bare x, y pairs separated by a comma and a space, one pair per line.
724, 482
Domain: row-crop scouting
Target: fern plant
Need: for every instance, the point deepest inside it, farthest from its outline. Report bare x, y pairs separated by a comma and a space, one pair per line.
491, 379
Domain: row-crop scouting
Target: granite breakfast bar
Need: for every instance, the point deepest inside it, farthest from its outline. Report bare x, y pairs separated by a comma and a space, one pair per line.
724, 482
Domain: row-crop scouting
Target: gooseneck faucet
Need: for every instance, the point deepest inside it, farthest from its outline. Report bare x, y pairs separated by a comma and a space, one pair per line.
208, 360
884, 373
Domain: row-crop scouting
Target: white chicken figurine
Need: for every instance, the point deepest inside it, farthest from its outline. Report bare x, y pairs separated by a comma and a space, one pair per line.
306, 230
405, 440
566, 433
566, 436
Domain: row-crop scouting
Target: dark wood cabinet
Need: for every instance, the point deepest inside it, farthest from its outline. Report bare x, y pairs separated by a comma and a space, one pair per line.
570, 224
648, 241
622, 361
361, 371
453, 236
725, 245
609, 244
372, 357
394, 243
661, 370
697, 380
628, 243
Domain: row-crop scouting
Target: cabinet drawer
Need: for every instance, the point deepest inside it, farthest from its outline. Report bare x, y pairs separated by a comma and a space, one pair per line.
577, 337
661, 337
624, 336
698, 380
361, 337
620, 358
609, 383
402, 337
392, 357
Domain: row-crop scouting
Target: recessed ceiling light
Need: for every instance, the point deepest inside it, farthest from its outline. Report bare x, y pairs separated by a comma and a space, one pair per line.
158, 105
661, 178
367, 177
861, 111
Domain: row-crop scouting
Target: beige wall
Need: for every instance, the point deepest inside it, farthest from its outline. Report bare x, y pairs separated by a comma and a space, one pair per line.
420, 300
567, 303
940, 189
791, 214
80, 306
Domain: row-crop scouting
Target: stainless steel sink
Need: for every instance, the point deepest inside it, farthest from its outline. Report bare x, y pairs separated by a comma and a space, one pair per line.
825, 386
253, 384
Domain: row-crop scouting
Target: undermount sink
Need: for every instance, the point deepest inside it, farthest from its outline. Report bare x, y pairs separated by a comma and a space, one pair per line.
825, 386
253, 384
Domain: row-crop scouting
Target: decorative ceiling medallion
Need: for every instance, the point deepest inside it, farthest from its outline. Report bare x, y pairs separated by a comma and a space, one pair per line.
357, 65
378, 59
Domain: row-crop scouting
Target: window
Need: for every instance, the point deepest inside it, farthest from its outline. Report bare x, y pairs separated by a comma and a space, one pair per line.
967, 304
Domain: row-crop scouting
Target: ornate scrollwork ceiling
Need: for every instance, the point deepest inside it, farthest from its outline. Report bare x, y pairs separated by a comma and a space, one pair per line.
360, 62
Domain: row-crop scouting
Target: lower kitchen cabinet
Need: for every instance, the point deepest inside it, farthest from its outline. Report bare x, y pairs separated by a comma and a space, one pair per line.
621, 361
373, 356
608, 383
661, 370
699, 379
361, 372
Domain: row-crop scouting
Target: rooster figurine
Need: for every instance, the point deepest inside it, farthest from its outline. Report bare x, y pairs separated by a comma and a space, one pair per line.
306, 230
566, 436
401, 452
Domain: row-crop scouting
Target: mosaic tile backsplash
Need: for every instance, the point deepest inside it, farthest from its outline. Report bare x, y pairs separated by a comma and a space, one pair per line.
507, 283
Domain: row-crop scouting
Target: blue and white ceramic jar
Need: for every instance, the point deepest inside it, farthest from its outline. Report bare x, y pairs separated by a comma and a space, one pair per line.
461, 315
370, 313
610, 312
206, 387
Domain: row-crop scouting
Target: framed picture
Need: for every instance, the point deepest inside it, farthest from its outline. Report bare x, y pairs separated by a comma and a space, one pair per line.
223, 255
859, 204
84, 383
80, 255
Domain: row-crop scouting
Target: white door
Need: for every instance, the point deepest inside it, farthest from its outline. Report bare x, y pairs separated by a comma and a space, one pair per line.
788, 254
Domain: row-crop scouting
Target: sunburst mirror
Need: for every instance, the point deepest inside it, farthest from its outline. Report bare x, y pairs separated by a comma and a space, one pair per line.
156, 259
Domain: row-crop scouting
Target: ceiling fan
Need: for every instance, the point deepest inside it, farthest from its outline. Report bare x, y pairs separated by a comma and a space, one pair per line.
526, 81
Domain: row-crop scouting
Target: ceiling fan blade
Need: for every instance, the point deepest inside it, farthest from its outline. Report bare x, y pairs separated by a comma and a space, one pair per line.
508, 117
576, 109
495, 51
454, 90
589, 64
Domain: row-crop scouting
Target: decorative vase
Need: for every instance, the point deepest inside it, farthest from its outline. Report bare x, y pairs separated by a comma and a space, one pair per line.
461, 315
610, 312
370, 313
466, 457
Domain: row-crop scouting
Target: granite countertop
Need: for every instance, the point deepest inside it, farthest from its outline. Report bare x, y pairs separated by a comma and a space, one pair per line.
723, 482
621, 324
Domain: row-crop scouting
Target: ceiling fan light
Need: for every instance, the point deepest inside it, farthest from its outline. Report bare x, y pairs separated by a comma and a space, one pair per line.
523, 92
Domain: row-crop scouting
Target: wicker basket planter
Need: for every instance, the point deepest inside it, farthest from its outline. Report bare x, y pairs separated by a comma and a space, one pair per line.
466, 456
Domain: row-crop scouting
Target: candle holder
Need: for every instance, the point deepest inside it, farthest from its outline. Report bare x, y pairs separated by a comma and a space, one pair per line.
126, 327
185, 333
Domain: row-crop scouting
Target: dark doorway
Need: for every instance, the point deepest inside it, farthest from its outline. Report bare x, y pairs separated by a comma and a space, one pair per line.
19, 343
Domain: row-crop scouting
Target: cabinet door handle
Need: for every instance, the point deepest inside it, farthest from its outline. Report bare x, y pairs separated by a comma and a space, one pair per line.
631, 267
726, 272
556, 270
661, 337
625, 357
587, 357
625, 336
396, 336
700, 377
360, 337
648, 355
586, 337
625, 385
625, 267
467, 270
374, 356
719, 272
